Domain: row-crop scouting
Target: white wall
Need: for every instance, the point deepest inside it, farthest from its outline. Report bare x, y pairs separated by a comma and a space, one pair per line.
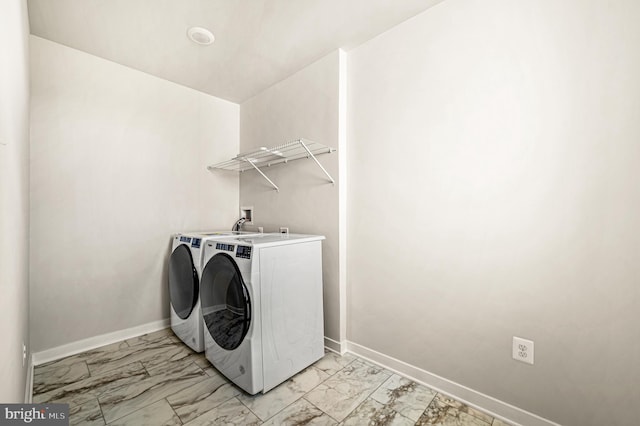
118, 163
305, 105
14, 197
493, 191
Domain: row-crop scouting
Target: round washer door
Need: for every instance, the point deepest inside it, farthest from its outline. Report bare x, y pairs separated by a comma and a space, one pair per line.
183, 281
226, 307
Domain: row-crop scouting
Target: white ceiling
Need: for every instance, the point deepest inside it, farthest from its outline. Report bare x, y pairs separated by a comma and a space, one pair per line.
258, 42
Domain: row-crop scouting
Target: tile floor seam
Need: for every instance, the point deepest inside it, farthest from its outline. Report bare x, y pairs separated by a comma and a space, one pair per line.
316, 387
128, 414
213, 408
251, 411
389, 407
338, 371
405, 417
197, 417
219, 405
104, 419
87, 365
428, 405
114, 370
350, 412
98, 372
144, 367
293, 402
137, 409
321, 410
374, 390
173, 409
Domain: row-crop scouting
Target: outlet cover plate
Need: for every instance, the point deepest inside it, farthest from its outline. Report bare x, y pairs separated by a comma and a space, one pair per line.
522, 350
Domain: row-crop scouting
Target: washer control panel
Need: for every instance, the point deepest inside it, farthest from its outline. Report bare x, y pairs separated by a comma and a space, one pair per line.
225, 247
244, 252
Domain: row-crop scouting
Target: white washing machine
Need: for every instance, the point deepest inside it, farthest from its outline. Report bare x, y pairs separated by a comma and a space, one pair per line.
185, 266
262, 307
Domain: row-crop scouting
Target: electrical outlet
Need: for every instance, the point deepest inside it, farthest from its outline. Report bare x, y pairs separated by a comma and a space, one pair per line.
24, 354
522, 350
284, 230
260, 229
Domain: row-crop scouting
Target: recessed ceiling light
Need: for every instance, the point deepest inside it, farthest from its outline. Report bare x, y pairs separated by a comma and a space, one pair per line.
200, 35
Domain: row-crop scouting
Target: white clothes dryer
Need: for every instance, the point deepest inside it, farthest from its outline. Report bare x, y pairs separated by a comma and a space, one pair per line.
262, 307
185, 266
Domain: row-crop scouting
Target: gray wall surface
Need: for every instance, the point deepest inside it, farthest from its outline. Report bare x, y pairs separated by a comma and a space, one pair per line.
14, 197
493, 192
118, 164
304, 105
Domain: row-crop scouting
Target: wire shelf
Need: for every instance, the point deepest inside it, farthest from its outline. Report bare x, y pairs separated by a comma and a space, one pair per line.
295, 150
269, 156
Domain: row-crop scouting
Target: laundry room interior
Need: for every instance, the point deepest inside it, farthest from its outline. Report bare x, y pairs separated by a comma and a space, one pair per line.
464, 172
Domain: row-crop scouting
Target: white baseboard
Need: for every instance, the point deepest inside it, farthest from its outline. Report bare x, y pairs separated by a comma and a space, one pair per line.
482, 402
492, 406
83, 345
335, 346
28, 384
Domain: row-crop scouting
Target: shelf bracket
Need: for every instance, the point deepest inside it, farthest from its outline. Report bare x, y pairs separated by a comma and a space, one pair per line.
317, 162
263, 175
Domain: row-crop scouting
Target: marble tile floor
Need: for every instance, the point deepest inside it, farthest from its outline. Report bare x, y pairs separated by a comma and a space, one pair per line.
156, 380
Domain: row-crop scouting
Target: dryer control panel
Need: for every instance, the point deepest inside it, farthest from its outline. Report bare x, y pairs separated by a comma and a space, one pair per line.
195, 242
244, 252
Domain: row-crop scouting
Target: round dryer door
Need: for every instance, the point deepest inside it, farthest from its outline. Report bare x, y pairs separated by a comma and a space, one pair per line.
226, 307
183, 281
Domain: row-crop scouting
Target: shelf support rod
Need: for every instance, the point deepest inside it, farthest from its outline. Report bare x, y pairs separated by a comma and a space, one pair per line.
317, 162
263, 175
